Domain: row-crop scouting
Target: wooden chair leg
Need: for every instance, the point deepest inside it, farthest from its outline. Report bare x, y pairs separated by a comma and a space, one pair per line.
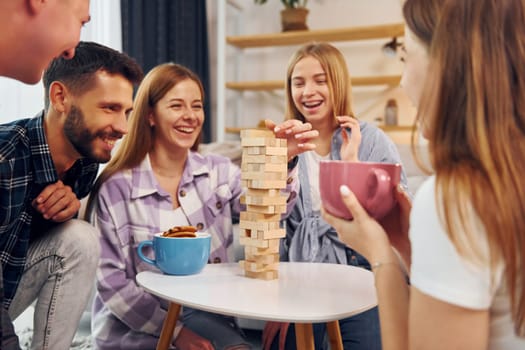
304, 336
334, 334
168, 326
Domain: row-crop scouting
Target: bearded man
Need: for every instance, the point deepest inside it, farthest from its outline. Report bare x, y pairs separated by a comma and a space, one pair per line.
47, 164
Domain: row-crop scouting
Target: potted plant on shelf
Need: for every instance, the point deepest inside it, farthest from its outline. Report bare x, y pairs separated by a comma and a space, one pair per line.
293, 17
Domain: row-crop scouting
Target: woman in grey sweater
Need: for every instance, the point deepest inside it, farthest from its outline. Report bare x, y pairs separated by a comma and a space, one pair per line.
318, 91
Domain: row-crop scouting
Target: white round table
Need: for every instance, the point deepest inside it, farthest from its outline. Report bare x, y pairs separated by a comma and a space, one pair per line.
304, 293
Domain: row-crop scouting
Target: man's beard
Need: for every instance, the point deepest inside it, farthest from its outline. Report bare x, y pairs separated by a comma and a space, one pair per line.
81, 138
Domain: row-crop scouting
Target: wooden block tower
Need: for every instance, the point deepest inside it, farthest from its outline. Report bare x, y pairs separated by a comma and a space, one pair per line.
263, 174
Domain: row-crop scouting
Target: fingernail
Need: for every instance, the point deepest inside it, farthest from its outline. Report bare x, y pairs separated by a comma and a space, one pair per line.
276, 129
345, 191
288, 131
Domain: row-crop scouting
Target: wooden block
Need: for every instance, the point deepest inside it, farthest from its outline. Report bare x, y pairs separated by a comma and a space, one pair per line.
268, 234
264, 259
250, 216
259, 225
246, 133
260, 200
262, 234
259, 243
250, 151
266, 209
263, 184
277, 151
260, 141
271, 192
262, 158
252, 175
251, 250
263, 142
264, 275
253, 266
264, 150
265, 167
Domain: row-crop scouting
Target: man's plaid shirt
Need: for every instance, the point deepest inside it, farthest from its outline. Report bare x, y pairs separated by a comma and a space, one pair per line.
26, 168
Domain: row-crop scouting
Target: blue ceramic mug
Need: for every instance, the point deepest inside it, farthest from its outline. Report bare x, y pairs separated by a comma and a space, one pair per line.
178, 255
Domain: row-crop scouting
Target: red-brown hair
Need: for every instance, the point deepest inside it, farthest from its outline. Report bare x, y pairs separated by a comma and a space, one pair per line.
474, 106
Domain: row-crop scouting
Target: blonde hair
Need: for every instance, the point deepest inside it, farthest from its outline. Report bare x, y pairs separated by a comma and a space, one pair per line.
338, 78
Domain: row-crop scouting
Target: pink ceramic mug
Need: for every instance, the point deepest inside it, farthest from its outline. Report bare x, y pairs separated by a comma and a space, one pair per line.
372, 183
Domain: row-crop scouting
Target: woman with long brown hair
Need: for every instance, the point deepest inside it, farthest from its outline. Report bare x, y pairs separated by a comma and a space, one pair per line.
467, 227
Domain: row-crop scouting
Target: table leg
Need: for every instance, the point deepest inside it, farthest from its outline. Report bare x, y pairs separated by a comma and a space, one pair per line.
169, 325
304, 336
334, 334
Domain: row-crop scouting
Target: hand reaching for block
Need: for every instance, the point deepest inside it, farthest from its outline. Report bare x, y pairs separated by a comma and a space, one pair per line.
298, 135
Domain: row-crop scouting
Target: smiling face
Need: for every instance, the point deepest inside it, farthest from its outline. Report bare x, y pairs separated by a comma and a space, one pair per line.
310, 91
178, 116
98, 118
54, 31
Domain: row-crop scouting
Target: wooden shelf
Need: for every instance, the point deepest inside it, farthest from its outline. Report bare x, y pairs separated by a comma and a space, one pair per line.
385, 128
268, 85
330, 35
395, 128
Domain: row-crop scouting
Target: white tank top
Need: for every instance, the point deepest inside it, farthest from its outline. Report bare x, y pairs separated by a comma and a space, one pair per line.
312, 164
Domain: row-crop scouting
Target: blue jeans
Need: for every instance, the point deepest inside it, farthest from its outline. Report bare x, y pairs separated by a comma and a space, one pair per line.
59, 274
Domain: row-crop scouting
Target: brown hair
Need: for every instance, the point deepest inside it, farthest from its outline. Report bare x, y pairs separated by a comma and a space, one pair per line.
474, 103
79, 72
421, 17
337, 75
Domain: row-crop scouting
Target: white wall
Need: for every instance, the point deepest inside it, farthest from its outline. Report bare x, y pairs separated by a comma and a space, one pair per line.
364, 58
20, 100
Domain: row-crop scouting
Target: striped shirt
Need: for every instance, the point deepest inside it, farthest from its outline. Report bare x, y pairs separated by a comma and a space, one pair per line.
131, 207
26, 168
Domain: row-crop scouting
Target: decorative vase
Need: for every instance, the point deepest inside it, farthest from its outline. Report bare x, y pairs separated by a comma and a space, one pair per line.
391, 112
294, 19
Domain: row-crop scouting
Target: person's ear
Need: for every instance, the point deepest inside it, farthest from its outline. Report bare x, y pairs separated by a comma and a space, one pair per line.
58, 96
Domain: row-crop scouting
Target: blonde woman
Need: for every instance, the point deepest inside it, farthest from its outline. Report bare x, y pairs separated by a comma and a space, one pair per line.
318, 92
